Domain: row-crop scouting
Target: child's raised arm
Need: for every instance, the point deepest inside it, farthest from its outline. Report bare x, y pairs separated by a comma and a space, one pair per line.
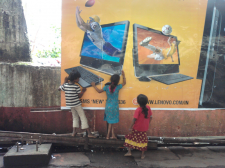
97, 89
65, 81
124, 78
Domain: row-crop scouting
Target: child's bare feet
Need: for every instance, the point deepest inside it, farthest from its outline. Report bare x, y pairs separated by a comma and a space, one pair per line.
74, 134
142, 156
128, 154
90, 135
107, 137
113, 138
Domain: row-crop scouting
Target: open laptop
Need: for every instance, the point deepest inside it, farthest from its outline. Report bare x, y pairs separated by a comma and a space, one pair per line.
86, 76
145, 64
115, 34
212, 58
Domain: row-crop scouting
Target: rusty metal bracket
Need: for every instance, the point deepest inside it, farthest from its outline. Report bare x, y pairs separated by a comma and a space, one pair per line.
86, 141
17, 147
40, 140
36, 145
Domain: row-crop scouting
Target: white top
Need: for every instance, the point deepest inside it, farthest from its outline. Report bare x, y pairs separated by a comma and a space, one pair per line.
96, 35
71, 93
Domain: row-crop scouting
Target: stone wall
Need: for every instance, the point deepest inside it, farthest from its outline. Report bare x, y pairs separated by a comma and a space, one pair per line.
14, 44
29, 86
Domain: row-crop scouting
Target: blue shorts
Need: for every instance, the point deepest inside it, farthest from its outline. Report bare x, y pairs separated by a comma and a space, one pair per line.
110, 50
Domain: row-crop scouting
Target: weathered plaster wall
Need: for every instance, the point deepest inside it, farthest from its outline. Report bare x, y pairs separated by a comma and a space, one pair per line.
29, 86
23, 87
14, 44
164, 124
177, 123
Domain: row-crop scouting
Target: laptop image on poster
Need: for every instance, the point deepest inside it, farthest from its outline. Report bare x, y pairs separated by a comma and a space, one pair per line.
110, 59
86, 76
148, 63
212, 58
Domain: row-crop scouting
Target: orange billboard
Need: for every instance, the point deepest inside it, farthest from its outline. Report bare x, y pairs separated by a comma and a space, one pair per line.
170, 50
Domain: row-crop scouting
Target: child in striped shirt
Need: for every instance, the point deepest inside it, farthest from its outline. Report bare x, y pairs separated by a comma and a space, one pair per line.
73, 95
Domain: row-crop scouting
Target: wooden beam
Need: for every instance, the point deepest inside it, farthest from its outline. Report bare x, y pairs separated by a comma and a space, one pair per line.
25, 136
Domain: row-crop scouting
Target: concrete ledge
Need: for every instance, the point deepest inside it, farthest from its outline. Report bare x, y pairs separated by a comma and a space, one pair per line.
29, 86
28, 156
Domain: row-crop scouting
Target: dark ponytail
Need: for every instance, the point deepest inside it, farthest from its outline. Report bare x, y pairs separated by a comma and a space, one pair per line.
114, 82
142, 101
112, 87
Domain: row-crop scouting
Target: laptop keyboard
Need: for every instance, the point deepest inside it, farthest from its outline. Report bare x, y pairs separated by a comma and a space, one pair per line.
172, 78
88, 76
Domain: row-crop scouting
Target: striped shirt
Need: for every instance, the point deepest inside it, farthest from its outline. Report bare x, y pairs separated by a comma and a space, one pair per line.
71, 93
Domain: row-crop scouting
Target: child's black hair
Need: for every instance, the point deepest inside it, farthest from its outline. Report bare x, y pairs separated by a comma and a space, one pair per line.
74, 75
114, 82
142, 101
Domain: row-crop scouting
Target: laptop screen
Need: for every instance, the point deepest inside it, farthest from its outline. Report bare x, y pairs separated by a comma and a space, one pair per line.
112, 43
158, 50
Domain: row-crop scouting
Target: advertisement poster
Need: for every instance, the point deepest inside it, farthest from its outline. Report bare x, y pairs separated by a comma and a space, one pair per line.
170, 50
